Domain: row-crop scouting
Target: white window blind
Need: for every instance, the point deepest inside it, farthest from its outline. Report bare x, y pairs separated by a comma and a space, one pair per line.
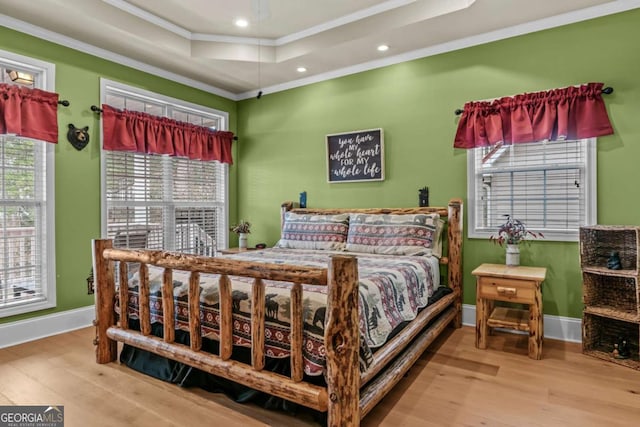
162, 202
23, 216
27, 261
550, 186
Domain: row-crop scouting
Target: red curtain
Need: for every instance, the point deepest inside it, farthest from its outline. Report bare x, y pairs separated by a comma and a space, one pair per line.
32, 113
124, 130
567, 113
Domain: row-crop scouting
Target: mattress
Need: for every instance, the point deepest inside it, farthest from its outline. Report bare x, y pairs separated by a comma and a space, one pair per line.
392, 291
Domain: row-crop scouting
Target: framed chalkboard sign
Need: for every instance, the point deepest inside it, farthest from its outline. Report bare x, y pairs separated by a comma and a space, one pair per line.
355, 156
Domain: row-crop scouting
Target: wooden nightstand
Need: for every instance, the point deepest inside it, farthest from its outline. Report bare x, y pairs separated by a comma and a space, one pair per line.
496, 282
229, 251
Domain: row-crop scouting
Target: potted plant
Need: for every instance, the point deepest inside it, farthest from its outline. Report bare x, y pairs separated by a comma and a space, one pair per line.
242, 229
512, 233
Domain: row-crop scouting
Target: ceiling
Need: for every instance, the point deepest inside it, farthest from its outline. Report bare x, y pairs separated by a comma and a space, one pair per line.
196, 41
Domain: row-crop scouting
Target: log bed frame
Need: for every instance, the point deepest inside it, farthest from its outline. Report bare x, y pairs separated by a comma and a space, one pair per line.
349, 395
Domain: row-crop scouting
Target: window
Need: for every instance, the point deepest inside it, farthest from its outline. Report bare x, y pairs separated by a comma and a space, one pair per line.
162, 202
550, 186
27, 261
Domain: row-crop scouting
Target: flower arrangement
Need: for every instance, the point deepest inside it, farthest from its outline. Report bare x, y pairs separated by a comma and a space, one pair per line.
243, 227
513, 232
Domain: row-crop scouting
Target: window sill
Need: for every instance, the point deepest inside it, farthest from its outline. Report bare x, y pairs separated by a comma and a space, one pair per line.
25, 307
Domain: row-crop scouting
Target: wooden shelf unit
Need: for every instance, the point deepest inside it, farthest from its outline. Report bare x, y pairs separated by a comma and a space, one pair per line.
611, 297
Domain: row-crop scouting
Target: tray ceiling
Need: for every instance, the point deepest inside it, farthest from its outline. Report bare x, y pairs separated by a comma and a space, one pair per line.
197, 40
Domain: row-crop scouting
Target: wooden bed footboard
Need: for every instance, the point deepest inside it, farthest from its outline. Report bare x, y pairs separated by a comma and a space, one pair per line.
348, 395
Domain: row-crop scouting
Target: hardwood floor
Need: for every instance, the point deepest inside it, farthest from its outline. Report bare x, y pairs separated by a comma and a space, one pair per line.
453, 384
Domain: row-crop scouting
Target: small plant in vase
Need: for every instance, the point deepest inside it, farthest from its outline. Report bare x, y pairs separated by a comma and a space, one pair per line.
242, 229
512, 233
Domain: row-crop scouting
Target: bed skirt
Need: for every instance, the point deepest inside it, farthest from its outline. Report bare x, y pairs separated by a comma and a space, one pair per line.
185, 376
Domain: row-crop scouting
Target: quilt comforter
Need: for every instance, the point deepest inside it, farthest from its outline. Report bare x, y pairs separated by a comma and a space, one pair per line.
392, 290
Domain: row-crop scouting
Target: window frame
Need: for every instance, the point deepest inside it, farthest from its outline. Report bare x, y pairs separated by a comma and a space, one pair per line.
110, 86
44, 78
590, 194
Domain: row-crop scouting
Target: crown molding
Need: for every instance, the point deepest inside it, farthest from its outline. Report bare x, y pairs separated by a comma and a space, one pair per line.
343, 20
492, 36
289, 38
149, 17
39, 32
542, 24
233, 39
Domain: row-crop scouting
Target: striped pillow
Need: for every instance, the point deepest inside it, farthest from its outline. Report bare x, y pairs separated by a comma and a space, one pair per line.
392, 234
314, 231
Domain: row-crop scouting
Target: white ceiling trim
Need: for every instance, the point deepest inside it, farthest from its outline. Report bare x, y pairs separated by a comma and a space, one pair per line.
311, 31
344, 20
42, 33
233, 39
564, 19
149, 17
504, 33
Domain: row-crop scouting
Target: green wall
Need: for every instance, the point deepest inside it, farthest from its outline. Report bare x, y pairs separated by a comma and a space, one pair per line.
282, 151
77, 193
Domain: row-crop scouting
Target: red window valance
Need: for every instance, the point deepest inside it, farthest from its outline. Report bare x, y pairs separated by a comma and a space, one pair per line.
574, 112
32, 113
125, 130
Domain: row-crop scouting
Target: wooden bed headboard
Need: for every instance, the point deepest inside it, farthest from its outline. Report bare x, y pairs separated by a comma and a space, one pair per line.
442, 211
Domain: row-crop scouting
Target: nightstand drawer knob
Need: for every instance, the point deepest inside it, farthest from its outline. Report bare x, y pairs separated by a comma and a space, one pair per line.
507, 291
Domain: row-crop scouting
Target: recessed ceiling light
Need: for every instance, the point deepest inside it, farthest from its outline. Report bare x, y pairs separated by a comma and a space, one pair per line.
301, 69
383, 48
241, 22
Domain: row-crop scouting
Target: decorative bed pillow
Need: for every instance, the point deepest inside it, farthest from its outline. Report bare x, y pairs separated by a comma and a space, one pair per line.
314, 231
392, 234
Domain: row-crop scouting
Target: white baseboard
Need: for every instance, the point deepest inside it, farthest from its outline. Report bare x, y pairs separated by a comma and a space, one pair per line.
555, 327
35, 328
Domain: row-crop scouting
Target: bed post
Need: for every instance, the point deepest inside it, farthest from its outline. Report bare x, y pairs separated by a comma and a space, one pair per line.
106, 348
342, 342
454, 269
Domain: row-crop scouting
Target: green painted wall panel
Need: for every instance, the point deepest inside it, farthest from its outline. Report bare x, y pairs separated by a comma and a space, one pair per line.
282, 149
77, 193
